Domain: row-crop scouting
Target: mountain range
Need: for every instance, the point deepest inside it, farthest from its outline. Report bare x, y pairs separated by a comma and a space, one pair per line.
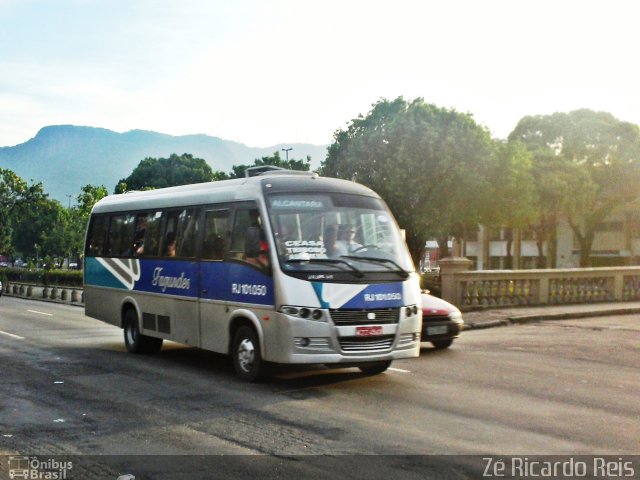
67, 157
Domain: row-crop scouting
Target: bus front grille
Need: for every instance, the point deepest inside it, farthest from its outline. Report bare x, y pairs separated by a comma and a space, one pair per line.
377, 316
366, 344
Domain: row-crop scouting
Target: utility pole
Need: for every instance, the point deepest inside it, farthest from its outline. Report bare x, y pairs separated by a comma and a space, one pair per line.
287, 150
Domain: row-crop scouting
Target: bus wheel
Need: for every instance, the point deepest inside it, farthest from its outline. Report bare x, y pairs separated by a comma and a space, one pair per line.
247, 359
134, 340
375, 368
441, 344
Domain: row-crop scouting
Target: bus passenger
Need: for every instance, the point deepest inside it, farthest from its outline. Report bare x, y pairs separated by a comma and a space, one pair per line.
256, 248
346, 244
170, 249
140, 232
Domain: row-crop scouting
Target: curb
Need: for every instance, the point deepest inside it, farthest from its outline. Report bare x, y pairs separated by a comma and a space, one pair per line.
488, 324
537, 317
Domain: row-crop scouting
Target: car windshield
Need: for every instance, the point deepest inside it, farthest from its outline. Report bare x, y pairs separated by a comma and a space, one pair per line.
336, 232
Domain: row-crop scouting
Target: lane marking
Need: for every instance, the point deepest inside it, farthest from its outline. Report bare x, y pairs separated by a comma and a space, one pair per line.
399, 370
40, 313
17, 337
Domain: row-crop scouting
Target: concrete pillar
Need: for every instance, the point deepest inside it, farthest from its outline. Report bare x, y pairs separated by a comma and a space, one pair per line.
448, 268
456, 248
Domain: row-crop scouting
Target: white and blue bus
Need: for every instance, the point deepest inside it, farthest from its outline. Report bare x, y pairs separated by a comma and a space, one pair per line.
281, 267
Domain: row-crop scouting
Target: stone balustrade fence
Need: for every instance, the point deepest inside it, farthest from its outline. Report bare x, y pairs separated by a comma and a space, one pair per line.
505, 288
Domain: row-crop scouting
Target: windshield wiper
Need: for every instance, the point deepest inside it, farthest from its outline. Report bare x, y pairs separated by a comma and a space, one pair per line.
333, 261
401, 271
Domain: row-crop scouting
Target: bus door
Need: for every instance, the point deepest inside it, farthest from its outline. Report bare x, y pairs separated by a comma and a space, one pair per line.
236, 274
214, 277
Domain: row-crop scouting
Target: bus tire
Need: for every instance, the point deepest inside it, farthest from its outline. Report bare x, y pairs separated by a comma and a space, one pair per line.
376, 368
135, 341
247, 358
442, 344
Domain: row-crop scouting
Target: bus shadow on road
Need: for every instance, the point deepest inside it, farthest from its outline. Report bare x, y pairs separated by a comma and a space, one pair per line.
279, 375
176, 356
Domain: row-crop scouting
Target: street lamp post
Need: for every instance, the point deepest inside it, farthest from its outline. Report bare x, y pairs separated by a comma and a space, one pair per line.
286, 151
69, 197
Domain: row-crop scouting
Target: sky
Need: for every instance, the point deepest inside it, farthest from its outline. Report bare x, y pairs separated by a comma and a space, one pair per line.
264, 72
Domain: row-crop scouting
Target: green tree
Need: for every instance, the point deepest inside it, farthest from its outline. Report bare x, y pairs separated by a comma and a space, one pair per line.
12, 187
56, 240
65, 235
36, 216
429, 164
561, 187
31, 223
27, 215
588, 164
88, 197
166, 172
512, 200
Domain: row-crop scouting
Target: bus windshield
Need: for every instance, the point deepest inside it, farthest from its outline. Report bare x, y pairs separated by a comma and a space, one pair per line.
329, 231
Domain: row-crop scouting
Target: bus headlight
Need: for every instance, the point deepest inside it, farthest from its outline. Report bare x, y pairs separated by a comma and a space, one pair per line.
411, 310
316, 314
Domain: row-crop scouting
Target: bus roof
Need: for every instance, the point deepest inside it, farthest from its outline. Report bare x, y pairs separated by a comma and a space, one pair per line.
249, 188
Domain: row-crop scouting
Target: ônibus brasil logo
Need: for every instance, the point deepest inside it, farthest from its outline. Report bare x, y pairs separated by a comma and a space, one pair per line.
35, 468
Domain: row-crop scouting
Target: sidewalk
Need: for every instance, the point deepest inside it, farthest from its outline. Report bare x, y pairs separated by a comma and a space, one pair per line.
497, 317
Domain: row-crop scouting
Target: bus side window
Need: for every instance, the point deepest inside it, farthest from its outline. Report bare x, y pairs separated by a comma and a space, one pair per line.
170, 234
240, 225
120, 237
187, 234
181, 228
140, 232
152, 234
216, 225
97, 236
248, 241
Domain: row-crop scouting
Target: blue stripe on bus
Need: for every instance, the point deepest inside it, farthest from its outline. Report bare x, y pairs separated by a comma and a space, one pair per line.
96, 274
355, 296
227, 281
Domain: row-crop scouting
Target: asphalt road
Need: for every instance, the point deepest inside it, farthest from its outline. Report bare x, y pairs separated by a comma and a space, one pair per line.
552, 388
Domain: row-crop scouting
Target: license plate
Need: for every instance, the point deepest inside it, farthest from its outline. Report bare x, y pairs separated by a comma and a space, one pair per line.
437, 330
368, 331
